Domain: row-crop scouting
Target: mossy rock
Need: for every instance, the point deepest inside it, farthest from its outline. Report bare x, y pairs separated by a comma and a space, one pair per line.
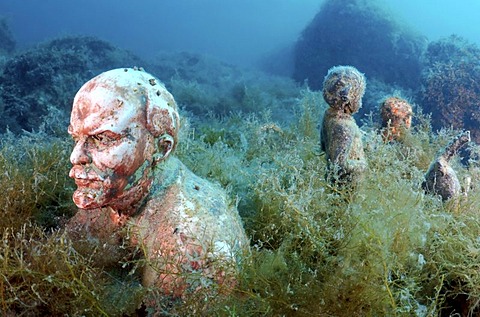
451, 85
362, 34
49, 75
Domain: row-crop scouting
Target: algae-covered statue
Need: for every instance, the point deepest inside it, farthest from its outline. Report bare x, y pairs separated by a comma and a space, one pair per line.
441, 178
341, 138
396, 114
133, 193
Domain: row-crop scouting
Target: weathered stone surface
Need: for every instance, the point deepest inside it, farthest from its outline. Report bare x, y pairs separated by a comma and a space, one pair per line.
441, 178
133, 195
341, 138
396, 114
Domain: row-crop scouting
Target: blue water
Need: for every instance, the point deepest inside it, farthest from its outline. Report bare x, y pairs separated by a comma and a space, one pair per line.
236, 31
440, 18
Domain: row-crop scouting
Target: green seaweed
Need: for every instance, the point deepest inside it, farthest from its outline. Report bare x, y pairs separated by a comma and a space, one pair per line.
387, 249
33, 181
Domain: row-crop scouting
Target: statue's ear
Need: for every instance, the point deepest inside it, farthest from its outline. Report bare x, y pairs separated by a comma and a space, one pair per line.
165, 145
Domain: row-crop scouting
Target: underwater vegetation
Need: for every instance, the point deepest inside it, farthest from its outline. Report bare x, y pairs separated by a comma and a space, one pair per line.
205, 85
44, 79
451, 84
386, 249
47, 76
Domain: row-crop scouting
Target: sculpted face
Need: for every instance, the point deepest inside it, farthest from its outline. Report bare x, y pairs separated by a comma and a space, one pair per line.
343, 88
114, 151
111, 143
396, 114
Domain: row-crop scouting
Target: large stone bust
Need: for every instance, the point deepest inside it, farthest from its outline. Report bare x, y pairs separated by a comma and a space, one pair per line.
132, 193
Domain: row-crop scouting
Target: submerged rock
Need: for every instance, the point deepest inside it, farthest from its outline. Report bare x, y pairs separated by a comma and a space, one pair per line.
451, 85
362, 34
48, 76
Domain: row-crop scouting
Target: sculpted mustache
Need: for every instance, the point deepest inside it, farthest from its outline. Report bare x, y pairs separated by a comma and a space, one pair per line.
85, 172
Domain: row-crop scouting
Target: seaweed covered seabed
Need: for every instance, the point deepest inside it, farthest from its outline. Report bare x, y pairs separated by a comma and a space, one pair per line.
385, 250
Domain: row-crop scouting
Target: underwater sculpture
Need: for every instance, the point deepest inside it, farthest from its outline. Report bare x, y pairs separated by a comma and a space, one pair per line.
440, 178
341, 138
396, 114
132, 193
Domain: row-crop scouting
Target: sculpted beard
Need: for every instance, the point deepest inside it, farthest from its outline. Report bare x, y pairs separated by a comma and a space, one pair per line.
94, 188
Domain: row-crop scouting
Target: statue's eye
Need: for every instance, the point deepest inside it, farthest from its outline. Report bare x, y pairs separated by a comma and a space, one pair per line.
99, 139
105, 138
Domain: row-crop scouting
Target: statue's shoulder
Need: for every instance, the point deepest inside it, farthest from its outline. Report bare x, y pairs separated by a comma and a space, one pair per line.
208, 197
192, 204
181, 189
209, 203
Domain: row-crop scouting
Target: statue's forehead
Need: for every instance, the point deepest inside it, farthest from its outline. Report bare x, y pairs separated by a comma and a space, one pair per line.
102, 108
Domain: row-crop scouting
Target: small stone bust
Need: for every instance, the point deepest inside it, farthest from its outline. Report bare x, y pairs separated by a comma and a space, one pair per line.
131, 192
441, 178
341, 138
396, 114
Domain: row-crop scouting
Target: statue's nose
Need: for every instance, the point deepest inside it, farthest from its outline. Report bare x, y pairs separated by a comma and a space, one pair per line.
80, 153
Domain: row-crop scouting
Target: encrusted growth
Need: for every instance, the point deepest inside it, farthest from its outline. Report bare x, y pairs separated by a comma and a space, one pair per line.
396, 114
341, 139
441, 179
